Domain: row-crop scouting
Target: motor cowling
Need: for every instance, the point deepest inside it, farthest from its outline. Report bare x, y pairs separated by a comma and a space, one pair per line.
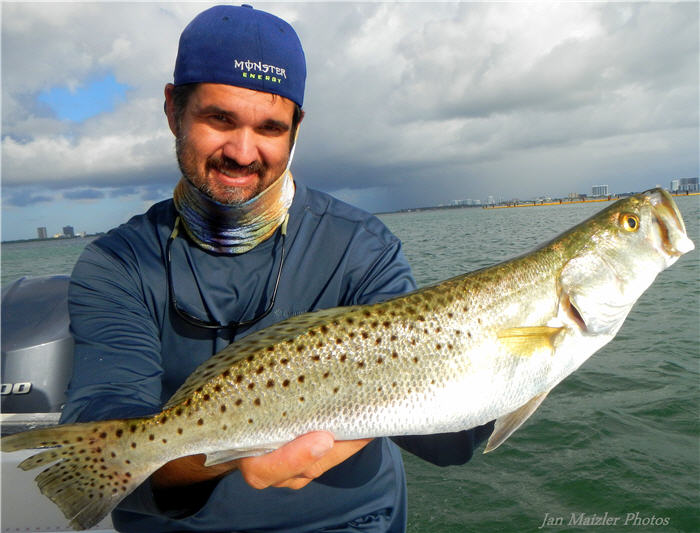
37, 347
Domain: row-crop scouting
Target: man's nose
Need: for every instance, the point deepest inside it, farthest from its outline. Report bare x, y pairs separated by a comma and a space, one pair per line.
241, 147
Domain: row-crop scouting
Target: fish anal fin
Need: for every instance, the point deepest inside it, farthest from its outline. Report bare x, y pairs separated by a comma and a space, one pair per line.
527, 340
224, 456
507, 424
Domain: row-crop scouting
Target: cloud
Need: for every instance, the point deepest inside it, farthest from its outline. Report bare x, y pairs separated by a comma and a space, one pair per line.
407, 103
84, 194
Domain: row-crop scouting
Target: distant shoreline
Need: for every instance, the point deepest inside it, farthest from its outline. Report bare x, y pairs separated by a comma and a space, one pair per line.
36, 239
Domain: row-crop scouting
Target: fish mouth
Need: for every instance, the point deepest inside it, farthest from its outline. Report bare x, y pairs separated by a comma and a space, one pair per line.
668, 223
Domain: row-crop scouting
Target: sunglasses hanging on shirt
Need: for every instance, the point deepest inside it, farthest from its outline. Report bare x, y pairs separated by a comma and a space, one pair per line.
198, 322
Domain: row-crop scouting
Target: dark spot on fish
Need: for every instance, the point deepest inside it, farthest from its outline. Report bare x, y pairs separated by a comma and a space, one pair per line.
365, 334
300, 379
413, 342
394, 355
178, 411
164, 419
200, 422
316, 358
250, 420
165, 441
198, 390
438, 346
103, 435
469, 334
326, 374
386, 324
359, 383
393, 384
270, 384
260, 369
251, 386
179, 431
284, 413
367, 314
343, 358
151, 437
374, 324
351, 334
119, 433
415, 359
350, 320
379, 360
284, 361
438, 329
79, 439
285, 383
222, 408
394, 338
361, 364
301, 398
205, 397
339, 341
224, 427
250, 358
257, 402
270, 348
324, 329
133, 445
239, 378
378, 341
226, 373
335, 390
217, 388
113, 455
188, 402
450, 315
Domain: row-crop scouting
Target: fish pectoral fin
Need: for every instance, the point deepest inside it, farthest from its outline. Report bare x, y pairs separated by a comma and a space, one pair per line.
507, 424
525, 341
224, 456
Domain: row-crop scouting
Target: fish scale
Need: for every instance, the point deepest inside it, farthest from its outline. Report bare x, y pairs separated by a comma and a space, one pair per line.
486, 345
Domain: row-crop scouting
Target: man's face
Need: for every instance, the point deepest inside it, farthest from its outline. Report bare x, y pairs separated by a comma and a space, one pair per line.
232, 143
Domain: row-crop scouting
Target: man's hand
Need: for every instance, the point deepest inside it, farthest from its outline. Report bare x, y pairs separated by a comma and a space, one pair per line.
294, 465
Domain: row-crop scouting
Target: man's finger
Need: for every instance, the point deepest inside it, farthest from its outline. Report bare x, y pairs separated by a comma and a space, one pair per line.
289, 461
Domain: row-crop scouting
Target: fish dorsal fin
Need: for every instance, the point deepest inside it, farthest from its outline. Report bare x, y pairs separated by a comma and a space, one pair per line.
527, 340
240, 349
507, 424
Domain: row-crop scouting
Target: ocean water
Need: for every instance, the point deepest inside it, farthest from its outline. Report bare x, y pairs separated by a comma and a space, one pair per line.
617, 440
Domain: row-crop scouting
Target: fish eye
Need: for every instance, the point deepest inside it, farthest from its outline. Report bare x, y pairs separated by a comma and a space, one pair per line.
629, 222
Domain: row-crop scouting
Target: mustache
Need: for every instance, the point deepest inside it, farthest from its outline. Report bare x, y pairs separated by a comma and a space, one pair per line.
230, 165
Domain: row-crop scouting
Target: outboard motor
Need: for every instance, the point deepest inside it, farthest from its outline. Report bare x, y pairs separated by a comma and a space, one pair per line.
37, 347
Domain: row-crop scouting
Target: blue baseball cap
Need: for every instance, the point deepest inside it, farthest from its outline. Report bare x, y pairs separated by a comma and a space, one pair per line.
244, 47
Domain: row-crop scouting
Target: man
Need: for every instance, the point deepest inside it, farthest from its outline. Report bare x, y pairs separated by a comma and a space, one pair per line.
239, 247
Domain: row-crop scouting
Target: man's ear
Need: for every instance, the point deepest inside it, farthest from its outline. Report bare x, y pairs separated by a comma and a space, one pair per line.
169, 108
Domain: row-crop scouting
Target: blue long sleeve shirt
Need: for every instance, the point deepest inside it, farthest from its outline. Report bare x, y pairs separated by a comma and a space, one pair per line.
133, 351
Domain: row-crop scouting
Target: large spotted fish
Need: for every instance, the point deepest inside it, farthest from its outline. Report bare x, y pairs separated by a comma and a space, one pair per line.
487, 345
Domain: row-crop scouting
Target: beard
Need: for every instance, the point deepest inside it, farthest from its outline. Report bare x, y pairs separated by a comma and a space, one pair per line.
216, 191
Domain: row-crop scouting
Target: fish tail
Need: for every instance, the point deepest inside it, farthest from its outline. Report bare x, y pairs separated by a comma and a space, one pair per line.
95, 467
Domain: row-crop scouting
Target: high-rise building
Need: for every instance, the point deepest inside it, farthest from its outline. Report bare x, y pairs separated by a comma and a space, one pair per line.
599, 190
41, 232
68, 231
685, 185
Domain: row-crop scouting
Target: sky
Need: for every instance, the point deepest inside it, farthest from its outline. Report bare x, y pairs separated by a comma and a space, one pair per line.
407, 104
